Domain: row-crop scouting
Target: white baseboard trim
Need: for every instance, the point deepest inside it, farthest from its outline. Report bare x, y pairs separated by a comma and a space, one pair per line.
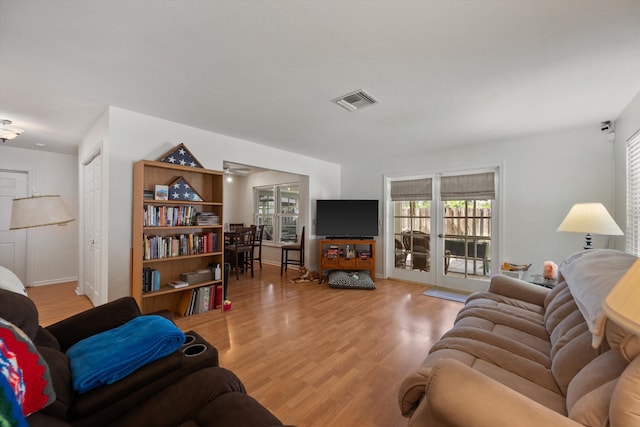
54, 281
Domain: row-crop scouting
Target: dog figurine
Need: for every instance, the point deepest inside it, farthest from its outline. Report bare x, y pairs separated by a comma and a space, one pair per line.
306, 276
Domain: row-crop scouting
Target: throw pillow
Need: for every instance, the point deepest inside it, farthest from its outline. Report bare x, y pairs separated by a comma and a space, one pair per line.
11, 282
24, 369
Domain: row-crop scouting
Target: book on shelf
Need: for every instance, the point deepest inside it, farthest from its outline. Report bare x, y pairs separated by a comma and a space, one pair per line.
178, 284
203, 299
150, 279
156, 247
207, 218
217, 303
169, 216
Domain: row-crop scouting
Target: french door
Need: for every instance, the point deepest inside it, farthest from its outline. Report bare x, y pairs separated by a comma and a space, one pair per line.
443, 229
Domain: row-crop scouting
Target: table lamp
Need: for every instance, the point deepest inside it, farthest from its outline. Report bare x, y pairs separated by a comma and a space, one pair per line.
38, 211
590, 218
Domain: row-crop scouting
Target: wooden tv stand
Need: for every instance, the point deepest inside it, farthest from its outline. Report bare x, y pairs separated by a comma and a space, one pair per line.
329, 260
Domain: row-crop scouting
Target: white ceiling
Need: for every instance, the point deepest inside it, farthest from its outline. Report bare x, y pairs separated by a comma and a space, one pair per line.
446, 72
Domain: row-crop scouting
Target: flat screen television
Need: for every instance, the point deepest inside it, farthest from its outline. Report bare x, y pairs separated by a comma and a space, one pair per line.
347, 218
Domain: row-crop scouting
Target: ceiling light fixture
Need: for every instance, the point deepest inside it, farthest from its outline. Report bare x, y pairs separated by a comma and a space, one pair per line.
8, 132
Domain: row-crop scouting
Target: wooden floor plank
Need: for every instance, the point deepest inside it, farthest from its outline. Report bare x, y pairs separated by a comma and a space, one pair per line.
313, 355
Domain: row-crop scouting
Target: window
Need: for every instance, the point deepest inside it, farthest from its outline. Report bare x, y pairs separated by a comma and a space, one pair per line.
467, 203
633, 196
278, 208
412, 223
412, 233
467, 225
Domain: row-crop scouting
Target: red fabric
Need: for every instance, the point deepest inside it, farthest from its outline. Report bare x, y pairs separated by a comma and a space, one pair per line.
26, 371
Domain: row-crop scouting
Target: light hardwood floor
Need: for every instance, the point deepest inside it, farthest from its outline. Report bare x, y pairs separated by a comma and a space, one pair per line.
313, 355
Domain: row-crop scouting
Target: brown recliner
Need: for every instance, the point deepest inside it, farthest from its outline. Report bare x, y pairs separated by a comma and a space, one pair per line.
185, 388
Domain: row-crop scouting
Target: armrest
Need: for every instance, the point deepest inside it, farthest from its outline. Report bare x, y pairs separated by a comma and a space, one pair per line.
458, 395
519, 289
93, 321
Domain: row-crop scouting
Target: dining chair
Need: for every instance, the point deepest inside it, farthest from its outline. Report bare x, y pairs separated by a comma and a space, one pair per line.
236, 226
257, 244
294, 247
240, 249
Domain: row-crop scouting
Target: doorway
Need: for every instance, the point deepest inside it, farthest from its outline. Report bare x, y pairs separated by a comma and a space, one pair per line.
13, 243
94, 286
443, 229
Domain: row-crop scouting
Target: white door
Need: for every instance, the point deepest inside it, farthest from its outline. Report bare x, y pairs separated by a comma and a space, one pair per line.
93, 288
444, 229
13, 243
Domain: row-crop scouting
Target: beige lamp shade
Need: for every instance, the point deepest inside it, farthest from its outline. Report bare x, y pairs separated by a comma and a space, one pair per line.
590, 218
622, 305
38, 211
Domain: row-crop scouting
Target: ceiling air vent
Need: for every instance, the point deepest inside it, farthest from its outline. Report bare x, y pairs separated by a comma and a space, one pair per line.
356, 100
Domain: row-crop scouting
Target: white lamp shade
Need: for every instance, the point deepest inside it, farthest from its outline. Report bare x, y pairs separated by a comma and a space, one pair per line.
590, 218
622, 305
38, 211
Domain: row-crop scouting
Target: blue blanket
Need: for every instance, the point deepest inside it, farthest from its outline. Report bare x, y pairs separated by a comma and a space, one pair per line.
106, 357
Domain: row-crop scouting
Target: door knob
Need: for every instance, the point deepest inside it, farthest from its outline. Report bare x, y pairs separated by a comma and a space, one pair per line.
441, 235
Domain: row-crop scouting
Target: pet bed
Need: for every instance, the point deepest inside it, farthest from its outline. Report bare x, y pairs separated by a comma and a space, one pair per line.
351, 280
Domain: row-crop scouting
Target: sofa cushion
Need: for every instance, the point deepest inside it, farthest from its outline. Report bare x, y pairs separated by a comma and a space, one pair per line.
60, 379
508, 331
626, 343
20, 311
499, 340
495, 318
502, 302
552, 399
571, 358
590, 391
220, 399
524, 367
506, 305
625, 402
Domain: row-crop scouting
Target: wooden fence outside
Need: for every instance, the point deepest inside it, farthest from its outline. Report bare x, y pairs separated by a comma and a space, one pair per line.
455, 224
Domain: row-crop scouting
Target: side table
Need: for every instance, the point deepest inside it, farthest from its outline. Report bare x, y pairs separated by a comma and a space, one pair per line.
538, 279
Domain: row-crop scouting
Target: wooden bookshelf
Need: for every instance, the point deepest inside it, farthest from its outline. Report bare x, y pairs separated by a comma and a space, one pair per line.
198, 256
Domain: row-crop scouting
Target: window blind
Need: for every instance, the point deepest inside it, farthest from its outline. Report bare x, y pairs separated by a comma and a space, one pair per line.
480, 186
633, 197
411, 189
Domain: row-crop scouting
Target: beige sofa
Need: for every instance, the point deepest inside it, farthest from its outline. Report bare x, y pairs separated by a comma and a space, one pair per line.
523, 355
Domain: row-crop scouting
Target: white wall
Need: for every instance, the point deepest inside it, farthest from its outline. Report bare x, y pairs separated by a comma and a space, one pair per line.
543, 177
52, 251
627, 125
133, 136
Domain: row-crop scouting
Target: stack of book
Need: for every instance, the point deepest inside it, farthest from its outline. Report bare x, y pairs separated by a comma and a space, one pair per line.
207, 218
364, 254
333, 251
